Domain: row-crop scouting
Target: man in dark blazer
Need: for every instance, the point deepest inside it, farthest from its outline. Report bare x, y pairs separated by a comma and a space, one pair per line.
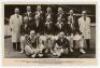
40, 14
61, 14
59, 26
49, 26
62, 45
37, 26
29, 16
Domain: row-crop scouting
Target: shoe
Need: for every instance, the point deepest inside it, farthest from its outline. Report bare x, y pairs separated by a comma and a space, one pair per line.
82, 51
33, 56
54, 54
21, 52
71, 50
40, 55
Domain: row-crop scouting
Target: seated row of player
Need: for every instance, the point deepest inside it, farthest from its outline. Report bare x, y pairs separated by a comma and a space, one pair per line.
36, 45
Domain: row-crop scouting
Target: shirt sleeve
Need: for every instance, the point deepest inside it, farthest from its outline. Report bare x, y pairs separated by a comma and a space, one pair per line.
11, 22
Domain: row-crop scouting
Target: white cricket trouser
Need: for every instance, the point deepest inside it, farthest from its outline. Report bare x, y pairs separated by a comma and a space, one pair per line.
23, 42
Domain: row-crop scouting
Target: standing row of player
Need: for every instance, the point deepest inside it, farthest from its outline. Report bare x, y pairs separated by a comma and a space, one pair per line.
49, 22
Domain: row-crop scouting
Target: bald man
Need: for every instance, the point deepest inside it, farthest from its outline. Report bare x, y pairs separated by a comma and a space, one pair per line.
15, 23
28, 11
39, 13
28, 17
84, 23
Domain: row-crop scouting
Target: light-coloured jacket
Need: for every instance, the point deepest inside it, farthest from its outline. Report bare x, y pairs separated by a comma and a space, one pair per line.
15, 24
85, 27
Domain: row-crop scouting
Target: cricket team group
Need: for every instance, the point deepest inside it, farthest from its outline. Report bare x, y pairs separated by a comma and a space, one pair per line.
44, 33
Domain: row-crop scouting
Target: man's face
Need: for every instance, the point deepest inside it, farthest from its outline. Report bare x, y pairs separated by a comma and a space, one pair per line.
71, 12
61, 35
28, 8
48, 9
84, 14
32, 33
38, 8
16, 11
60, 10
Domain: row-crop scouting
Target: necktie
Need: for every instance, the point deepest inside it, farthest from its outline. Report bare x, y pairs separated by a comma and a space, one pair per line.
84, 18
71, 20
17, 16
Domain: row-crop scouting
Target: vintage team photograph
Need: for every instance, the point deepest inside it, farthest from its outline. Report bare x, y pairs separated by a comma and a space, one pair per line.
49, 30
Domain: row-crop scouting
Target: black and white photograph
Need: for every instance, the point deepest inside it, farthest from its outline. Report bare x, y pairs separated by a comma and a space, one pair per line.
49, 31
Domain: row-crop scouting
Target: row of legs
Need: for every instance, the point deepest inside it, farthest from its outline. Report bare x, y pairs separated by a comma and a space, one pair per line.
79, 44
17, 46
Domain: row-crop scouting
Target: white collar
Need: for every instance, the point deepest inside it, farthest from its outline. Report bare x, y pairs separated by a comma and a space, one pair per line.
83, 17
16, 14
